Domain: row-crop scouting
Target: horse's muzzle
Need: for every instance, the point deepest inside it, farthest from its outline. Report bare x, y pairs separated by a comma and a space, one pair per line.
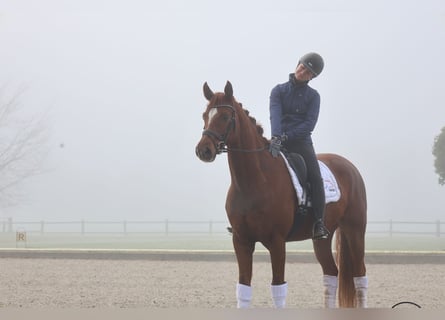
205, 151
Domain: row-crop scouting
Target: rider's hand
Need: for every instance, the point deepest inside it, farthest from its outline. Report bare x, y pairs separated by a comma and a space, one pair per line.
275, 146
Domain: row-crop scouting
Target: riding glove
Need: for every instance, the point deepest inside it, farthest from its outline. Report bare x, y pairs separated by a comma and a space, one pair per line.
275, 146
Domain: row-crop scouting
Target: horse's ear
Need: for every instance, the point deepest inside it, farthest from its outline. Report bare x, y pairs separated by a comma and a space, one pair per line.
207, 92
228, 90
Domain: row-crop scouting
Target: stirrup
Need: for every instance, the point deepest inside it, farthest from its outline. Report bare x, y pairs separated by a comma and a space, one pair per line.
319, 231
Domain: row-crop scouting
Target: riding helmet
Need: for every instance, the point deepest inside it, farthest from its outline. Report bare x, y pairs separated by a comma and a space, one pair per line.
313, 61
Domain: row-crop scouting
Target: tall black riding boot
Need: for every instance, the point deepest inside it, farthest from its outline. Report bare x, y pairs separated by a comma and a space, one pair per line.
319, 231
306, 150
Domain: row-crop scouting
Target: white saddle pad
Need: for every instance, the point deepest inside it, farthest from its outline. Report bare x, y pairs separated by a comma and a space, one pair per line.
331, 189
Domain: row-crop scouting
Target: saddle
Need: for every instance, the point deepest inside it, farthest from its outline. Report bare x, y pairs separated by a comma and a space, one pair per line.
298, 165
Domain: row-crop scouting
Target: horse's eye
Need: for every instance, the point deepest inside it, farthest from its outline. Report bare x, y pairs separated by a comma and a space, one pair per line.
225, 117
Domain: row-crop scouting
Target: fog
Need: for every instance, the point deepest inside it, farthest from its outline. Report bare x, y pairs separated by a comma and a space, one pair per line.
122, 81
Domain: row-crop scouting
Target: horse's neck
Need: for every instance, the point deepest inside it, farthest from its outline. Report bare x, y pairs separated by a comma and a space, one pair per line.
245, 164
245, 170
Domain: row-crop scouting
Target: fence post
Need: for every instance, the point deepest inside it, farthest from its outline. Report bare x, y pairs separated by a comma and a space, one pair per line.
166, 227
42, 227
9, 224
390, 227
438, 228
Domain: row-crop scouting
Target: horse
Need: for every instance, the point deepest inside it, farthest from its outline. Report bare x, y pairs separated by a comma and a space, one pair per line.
262, 206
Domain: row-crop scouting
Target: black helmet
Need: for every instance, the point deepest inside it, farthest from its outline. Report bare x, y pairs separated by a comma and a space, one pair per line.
313, 61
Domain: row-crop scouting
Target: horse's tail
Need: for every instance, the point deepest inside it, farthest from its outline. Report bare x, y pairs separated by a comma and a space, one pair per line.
346, 288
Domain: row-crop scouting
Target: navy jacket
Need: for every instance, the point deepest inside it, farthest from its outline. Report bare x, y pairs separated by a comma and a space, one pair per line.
294, 109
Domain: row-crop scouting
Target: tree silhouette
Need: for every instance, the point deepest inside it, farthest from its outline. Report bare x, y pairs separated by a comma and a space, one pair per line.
23, 138
439, 154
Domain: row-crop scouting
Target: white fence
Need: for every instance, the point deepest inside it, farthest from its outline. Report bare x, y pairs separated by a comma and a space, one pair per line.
167, 227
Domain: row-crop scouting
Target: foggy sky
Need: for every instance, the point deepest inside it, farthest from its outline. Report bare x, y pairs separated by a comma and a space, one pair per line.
123, 81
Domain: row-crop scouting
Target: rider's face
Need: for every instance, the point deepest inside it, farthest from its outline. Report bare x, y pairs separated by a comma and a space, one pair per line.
303, 74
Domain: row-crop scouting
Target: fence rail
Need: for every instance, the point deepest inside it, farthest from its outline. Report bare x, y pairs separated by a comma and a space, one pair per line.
168, 227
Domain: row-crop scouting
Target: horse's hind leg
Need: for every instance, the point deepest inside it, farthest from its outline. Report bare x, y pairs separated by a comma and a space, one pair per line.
356, 241
323, 252
244, 255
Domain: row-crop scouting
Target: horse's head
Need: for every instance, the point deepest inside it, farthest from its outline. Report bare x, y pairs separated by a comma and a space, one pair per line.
228, 127
219, 122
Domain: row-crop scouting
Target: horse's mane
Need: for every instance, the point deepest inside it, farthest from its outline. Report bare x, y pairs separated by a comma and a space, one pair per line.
259, 127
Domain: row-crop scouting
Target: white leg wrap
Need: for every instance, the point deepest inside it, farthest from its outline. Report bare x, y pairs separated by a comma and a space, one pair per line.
243, 295
279, 294
330, 284
361, 291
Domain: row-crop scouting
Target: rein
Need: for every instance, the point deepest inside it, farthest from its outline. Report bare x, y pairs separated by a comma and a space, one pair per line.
221, 145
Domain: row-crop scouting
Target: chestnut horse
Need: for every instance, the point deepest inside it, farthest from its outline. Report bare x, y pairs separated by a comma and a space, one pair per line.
262, 206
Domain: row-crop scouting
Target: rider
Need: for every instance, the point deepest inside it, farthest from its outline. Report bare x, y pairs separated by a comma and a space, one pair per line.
294, 109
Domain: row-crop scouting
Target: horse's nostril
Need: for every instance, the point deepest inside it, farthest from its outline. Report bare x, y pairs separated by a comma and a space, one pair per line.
207, 153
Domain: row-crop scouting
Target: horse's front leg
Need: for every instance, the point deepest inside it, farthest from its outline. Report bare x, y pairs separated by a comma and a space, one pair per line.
244, 254
277, 250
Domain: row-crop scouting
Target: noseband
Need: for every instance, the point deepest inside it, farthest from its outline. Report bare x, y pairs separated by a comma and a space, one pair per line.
221, 139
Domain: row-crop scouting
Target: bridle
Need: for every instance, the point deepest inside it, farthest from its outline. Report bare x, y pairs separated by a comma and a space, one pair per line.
221, 139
